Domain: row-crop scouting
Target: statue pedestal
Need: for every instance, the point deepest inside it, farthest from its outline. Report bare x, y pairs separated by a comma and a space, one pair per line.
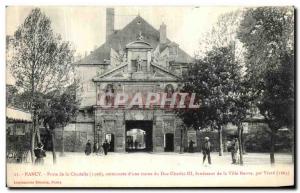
139, 75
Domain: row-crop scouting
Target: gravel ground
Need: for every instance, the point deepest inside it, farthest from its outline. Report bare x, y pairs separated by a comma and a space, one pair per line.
153, 169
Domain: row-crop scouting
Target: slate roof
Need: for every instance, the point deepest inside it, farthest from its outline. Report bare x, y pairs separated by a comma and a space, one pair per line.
120, 38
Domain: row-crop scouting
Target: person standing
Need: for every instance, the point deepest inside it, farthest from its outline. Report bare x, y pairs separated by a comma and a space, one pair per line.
96, 148
206, 147
234, 149
131, 143
128, 143
105, 146
191, 146
136, 144
88, 148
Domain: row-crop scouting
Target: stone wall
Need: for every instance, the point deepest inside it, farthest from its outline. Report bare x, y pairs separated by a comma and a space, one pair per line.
75, 137
87, 90
114, 122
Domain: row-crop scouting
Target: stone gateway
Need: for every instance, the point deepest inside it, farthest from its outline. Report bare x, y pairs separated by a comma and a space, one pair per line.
135, 59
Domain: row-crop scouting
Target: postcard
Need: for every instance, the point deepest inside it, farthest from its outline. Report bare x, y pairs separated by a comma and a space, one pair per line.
118, 96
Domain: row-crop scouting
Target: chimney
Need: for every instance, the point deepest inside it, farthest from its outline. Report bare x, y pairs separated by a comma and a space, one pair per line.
110, 21
163, 34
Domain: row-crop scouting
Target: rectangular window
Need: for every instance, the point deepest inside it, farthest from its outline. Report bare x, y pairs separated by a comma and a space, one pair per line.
20, 129
11, 130
133, 65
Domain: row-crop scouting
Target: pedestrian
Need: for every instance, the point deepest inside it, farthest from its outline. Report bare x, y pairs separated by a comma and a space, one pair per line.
191, 146
131, 143
234, 149
136, 144
206, 148
105, 146
39, 153
96, 148
88, 148
128, 143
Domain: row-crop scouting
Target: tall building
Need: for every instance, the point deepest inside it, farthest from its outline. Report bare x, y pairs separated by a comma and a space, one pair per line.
135, 59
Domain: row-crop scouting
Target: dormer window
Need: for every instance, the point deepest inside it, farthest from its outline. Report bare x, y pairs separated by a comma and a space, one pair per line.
173, 50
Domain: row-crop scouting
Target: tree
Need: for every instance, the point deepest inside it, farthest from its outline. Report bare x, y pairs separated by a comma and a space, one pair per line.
11, 92
223, 34
238, 111
57, 111
216, 80
267, 33
277, 102
41, 61
183, 133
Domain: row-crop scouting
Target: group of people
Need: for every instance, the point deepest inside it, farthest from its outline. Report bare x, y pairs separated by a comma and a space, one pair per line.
39, 153
96, 148
233, 148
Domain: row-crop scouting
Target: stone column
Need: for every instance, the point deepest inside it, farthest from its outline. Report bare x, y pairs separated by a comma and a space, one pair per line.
129, 62
148, 60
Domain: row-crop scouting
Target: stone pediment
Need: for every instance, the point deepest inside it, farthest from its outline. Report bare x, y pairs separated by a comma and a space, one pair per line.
117, 73
120, 73
138, 45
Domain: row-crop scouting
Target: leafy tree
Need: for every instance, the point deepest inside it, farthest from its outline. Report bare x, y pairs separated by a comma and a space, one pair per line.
58, 109
224, 34
267, 33
238, 110
11, 91
216, 80
41, 61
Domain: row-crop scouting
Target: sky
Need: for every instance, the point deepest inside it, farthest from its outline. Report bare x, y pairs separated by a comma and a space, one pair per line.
84, 26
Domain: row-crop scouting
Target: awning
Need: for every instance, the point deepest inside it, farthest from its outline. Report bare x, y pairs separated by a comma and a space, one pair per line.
17, 114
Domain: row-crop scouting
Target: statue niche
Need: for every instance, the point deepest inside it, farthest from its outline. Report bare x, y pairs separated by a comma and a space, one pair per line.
141, 64
109, 94
138, 56
169, 89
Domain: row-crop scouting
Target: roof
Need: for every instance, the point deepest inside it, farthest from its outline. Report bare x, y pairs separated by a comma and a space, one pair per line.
120, 38
17, 114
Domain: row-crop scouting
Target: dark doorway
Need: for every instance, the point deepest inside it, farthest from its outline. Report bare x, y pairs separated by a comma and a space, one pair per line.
169, 142
111, 140
138, 136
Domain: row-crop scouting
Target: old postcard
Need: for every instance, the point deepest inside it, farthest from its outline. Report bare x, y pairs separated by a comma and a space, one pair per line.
150, 96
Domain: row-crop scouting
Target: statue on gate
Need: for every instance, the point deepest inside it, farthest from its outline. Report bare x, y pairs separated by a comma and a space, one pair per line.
139, 63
